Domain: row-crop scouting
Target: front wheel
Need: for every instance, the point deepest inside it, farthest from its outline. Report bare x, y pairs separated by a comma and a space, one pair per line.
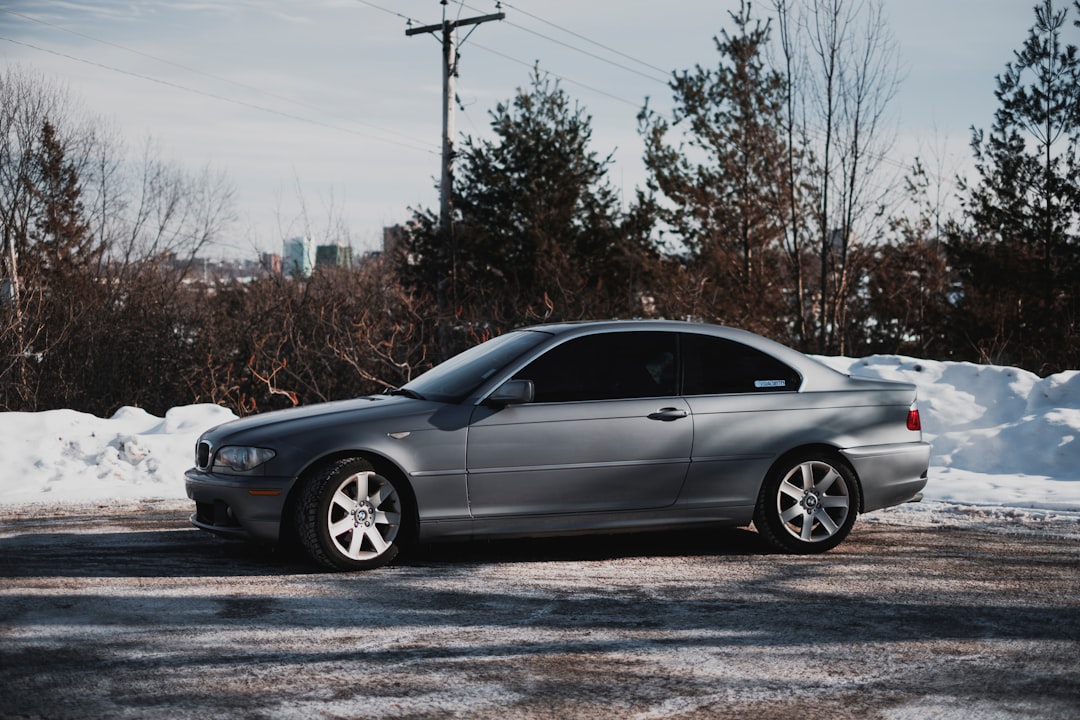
349, 517
808, 504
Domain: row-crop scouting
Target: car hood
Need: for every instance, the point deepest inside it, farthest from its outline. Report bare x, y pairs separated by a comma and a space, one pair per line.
402, 412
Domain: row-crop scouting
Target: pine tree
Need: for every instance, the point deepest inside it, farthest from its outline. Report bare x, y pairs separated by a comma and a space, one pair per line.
61, 265
721, 177
1021, 259
538, 230
60, 242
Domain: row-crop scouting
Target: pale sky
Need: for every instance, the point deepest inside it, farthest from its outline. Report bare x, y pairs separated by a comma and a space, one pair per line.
332, 97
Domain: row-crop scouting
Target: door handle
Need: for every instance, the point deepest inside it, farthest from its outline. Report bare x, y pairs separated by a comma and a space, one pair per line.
667, 414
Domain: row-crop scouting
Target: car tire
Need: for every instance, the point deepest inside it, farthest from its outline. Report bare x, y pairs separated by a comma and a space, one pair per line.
808, 503
350, 518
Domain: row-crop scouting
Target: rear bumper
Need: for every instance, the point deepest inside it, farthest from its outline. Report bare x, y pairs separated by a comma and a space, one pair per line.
240, 508
890, 474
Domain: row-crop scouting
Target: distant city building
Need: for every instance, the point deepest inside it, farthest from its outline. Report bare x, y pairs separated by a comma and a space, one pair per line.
334, 256
270, 263
208, 271
298, 257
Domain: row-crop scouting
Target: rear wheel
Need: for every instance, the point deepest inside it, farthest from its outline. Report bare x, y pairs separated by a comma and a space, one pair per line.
350, 518
808, 503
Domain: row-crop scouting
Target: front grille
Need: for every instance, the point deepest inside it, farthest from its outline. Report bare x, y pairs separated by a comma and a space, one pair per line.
202, 455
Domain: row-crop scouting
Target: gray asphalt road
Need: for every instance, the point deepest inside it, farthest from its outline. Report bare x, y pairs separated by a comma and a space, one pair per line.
124, 611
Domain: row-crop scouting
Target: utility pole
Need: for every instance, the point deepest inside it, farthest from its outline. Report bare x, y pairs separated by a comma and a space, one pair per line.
448, 28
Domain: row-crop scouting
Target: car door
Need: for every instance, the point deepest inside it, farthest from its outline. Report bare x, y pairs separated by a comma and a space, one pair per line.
606, 432
746, 409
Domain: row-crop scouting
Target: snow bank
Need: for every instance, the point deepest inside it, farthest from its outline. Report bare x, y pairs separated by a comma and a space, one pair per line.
63, 456
1001, 437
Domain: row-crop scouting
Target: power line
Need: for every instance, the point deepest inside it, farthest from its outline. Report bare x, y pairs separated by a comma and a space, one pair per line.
559, 77
223, 98
388, 11
140, 53
589, 40
448, 30
620, 66
662, 80
563, 78
408, 142
652, 78
877, 156
404, 141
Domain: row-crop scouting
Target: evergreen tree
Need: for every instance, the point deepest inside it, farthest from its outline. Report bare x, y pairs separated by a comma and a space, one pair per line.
538, 230
61, 241
1020, 261
50, 261
60, 264
721, 180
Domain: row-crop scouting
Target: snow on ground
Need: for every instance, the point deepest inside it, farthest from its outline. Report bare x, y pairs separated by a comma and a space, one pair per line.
1004, 442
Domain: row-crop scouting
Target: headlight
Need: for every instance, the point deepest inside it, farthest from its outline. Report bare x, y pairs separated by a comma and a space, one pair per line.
241, 459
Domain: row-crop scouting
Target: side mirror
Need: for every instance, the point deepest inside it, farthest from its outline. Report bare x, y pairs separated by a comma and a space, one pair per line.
512, 392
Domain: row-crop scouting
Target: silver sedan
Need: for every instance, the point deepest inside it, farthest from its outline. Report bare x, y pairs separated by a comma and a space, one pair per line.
567, 429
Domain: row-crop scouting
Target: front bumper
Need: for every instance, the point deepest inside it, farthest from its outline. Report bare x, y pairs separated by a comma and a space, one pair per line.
238, 507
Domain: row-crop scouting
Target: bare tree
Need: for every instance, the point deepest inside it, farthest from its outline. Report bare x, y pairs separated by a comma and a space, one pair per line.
42, 137
839, 86
87, 311
169, 213
792, 204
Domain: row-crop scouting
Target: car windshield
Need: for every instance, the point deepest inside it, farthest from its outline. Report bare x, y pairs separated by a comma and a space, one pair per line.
455, 379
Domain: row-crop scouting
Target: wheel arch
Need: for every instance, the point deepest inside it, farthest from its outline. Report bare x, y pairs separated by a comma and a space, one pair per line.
831, 451
380, 464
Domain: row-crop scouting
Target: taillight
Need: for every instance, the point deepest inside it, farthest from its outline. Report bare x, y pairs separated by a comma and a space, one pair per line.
913, 421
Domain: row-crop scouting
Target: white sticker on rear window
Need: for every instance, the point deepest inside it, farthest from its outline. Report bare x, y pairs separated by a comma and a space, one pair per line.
770, 383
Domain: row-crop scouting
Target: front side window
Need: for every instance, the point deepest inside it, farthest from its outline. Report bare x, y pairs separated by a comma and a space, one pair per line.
715, 366
606, 366
454, 379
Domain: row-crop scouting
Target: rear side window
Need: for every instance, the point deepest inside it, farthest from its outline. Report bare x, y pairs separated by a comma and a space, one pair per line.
715, 366
607, 366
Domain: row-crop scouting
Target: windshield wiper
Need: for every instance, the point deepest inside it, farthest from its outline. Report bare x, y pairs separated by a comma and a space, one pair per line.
406, 392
